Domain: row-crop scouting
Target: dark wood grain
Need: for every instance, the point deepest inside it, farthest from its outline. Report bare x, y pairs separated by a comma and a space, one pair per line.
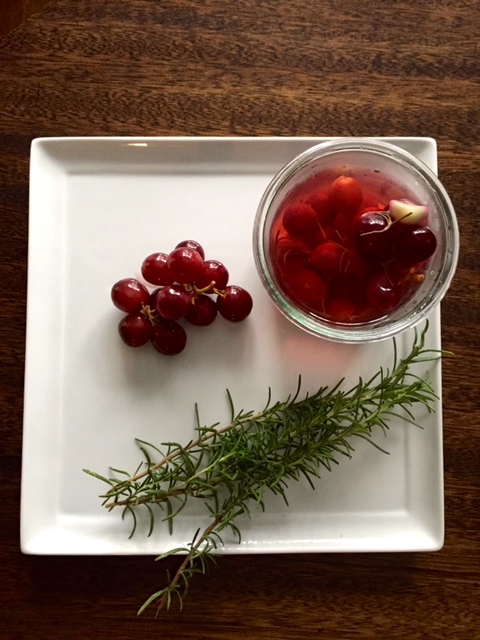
13, 12
275, 67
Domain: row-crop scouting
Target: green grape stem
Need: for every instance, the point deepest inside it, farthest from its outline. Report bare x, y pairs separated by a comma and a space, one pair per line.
231, 468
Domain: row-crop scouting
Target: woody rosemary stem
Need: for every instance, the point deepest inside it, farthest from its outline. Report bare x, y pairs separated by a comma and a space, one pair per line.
197, 443
230, 469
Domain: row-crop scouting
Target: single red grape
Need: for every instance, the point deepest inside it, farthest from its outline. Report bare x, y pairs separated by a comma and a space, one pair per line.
285, 247
172, 302
234, 304
383, 294
345, 196
291, 268
202, 311
185, 264
135, 329
320, 202
416, 244
300, 219
327, 258
213, 271
192, 244
305, 286
168, 337
155, 269
355, 267
129, 295
374, 236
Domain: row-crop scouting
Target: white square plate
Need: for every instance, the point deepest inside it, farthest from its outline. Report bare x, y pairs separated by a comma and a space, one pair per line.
98, 206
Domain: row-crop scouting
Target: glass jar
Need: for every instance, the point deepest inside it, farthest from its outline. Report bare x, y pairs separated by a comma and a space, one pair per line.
385, 173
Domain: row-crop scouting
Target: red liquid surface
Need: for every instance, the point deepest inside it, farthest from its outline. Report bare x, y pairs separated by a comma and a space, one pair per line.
337, 254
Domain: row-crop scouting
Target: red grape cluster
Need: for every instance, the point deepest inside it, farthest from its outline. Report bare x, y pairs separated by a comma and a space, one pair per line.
184, 286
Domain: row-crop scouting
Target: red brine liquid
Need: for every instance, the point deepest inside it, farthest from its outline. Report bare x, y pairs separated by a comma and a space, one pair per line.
350, 250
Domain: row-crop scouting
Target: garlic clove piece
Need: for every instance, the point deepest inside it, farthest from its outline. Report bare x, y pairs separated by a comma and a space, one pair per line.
407, 212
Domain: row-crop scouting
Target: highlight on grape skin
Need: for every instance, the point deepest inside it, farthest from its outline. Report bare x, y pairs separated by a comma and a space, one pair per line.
181, 286
129, 295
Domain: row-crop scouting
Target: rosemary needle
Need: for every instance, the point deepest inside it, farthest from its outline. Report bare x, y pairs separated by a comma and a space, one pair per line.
231, 468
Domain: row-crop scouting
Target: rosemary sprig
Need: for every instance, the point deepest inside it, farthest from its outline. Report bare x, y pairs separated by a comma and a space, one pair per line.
231, 468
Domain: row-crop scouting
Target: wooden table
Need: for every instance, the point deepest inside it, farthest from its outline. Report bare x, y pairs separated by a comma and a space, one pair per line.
275, 67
